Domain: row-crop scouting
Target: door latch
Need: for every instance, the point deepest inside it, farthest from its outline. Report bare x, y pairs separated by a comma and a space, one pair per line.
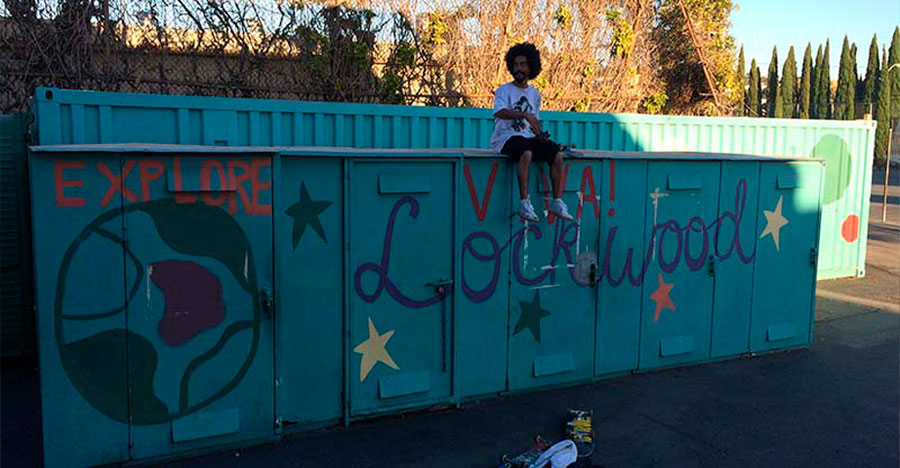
268, 302
441, 285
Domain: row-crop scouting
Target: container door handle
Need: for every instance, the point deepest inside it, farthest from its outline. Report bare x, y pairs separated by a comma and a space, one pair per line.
268, 302
441, 285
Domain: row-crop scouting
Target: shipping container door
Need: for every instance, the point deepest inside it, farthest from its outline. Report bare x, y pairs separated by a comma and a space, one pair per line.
401, 269
199, 263
784, 282
553, 295
678, 285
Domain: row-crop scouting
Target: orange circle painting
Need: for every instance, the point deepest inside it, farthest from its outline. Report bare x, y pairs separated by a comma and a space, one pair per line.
850, 228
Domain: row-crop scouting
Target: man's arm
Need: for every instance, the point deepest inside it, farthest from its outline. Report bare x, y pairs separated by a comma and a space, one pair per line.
514, 115
509, 114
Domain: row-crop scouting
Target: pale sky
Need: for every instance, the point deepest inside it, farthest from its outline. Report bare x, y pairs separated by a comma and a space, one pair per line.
761, 24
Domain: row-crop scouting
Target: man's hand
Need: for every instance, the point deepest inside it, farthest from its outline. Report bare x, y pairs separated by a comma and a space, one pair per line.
515, 115
535, 124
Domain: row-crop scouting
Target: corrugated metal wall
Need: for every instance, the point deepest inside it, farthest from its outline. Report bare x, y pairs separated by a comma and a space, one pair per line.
16, 311
319, 286
81, 117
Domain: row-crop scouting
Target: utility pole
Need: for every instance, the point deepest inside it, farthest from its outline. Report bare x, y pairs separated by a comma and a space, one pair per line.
887, 160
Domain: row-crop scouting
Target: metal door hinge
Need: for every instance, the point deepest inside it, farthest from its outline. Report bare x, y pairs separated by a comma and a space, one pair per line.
711, 266
813, 257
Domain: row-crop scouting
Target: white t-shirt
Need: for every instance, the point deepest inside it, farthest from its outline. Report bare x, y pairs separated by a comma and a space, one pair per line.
510, 96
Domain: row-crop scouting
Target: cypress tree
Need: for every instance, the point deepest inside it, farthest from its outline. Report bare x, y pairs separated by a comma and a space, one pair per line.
823, 92
803, 104
872, 70
843, 97
814, 85
773, 107
742, 83
759, 93
883, 110
754, 92
788, 85
894, 74
856, 83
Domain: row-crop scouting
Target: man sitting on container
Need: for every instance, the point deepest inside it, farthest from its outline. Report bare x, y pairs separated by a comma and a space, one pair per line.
517, 130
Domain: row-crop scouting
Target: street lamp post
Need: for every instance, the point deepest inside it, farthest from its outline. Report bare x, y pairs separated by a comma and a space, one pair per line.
887, 160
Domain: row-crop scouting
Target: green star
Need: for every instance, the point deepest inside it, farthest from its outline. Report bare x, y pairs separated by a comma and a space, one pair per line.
532, 313
306, 212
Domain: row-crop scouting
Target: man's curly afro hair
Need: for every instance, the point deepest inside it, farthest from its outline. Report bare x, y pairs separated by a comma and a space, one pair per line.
530, 52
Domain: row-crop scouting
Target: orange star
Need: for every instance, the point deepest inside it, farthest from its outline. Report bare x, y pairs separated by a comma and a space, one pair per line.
661, 297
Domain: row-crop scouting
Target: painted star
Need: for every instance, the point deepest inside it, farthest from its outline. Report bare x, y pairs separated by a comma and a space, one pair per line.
306, 212
532, 313
774, 222
661, 297
373, 351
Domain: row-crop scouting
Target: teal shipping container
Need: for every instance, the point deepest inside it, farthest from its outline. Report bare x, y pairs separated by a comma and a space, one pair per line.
191, 298
84, 117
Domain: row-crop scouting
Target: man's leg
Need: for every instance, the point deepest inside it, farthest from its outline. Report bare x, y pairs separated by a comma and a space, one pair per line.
524, 162
556, 175
518, 147
558, 207
526, 209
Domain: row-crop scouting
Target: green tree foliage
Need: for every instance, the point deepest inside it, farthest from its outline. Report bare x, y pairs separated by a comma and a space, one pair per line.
823, 90
805, 80
742, 84
789, 86
654, 103
882, 110
894, 74
754, 92
843, 97
872, 70
855, 80
623, 35
814, 85
679, 64
857, 83
773, 106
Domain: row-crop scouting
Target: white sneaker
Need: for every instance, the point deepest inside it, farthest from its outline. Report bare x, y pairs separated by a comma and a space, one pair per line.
559, 208
526, 211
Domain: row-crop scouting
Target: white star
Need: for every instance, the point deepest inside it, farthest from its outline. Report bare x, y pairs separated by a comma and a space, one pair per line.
774, 222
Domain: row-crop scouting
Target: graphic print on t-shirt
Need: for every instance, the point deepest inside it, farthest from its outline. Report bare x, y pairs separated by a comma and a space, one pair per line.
522, 106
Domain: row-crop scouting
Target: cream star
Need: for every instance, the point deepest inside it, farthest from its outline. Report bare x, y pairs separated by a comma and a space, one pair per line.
373, 351
774, 222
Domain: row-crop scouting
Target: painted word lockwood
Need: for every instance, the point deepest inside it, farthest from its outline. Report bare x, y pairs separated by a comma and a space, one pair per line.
565, 237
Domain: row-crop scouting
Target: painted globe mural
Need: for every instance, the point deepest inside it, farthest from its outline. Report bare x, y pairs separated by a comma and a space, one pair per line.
182, 324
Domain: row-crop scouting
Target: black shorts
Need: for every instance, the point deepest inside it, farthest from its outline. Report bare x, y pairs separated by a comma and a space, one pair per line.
541, 150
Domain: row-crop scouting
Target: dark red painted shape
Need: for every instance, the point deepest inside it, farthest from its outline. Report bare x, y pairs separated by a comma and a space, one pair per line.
193, 300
